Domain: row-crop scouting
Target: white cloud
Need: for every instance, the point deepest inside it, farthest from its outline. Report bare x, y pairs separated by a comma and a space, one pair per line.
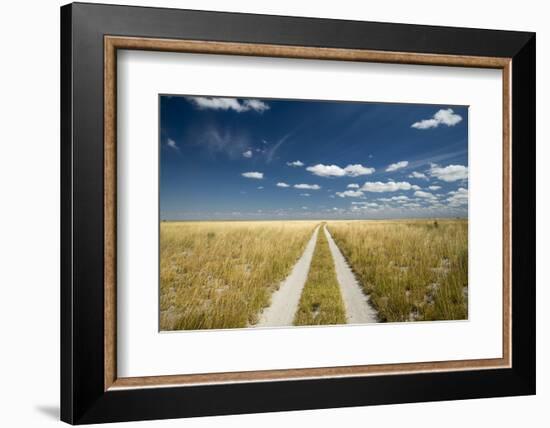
260, 187
416, 174
458, 197
412, 205
447, 117
172, 144
295, 163
220, 103
434, 187
396, 166
425, 195
307, 195
415, 187
353, 186
326, 170
253, 174
357, 170
425, 124
336, 171
350, 194
443, 117
307, 186
449, 173
390, 186
281, 184
256, 105
247, 154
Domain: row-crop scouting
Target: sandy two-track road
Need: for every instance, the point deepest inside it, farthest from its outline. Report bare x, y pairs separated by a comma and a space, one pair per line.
285, 301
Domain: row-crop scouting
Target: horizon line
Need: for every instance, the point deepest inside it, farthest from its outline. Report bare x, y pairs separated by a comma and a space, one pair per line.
318, 219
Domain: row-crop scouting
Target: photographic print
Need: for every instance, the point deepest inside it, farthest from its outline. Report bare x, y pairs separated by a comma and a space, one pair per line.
281, 213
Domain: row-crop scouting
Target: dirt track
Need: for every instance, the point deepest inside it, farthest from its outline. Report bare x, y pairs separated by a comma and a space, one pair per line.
358, 308
284, 301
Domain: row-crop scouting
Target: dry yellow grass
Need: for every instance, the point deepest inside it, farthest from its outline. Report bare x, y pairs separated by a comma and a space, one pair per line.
413, 270
321, 302
221, 274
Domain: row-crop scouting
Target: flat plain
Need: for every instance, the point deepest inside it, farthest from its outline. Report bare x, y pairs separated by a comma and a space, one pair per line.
222, 274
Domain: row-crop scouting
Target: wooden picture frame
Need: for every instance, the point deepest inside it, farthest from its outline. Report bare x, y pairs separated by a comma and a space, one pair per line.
91, 390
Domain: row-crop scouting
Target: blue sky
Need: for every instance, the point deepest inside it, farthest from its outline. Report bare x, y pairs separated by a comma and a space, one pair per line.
243, 158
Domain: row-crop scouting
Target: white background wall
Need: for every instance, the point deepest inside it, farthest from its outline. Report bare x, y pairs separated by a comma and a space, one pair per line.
29, 213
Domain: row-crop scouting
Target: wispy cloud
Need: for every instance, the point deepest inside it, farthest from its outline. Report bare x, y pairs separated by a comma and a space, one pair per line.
396, 166
434, 187
307, 195
172, 144
220, 140
247, 154
270, 152
295, 163
437, 157
222, 103
449, 173
443, 117
253, 174
335, 171
307, 186
281, 184
390, 186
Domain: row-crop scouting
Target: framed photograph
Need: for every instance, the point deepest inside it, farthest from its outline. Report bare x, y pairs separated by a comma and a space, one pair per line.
266, 213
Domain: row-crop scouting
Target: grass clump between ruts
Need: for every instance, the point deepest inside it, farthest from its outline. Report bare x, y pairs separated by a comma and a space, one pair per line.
321, 302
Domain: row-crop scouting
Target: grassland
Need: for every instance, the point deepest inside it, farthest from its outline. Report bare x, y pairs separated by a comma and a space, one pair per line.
412, 270
321, 302
221, 274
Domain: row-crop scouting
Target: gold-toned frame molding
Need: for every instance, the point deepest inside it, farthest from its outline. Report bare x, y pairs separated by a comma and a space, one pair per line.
113, 43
